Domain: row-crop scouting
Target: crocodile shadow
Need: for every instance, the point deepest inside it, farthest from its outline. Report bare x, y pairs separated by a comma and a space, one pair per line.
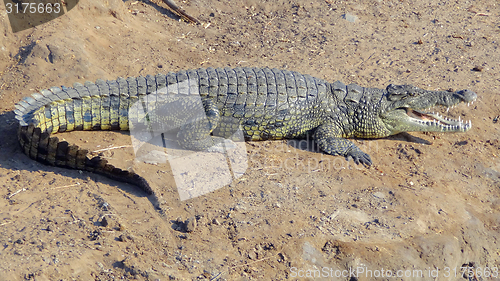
307, 144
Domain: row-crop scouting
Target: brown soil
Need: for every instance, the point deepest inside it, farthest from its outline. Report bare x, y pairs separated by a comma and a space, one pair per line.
430, 201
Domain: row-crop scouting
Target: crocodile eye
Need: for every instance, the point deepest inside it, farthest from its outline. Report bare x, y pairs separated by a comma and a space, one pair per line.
396, 96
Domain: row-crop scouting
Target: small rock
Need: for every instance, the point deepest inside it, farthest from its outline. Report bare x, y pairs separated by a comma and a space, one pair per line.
478, 68
494, 142
206, 274
126, 237
104, 222
252, 255
191, 224
282, 257
178, 226
121, 226
350, 17
131, 266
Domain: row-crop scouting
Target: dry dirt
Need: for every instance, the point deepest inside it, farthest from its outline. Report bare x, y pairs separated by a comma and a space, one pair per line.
429, 204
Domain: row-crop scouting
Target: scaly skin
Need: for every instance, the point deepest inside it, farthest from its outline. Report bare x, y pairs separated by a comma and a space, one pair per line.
207, 104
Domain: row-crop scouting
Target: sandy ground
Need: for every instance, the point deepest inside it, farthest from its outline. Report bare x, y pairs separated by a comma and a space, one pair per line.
429, 206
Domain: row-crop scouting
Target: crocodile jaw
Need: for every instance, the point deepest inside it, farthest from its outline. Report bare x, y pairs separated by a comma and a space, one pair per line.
406, 119
407, 110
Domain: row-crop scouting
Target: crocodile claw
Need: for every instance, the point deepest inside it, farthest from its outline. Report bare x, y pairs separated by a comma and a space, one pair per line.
359, 156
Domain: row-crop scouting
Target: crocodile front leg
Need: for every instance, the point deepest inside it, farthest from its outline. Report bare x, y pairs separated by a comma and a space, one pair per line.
328, 137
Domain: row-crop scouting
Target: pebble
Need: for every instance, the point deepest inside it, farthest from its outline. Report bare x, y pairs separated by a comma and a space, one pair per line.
350, 17
191, 224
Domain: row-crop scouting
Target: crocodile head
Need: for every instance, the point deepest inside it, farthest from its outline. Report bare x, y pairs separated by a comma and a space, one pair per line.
407, 109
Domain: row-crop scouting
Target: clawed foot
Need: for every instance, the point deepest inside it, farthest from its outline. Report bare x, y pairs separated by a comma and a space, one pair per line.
359, 156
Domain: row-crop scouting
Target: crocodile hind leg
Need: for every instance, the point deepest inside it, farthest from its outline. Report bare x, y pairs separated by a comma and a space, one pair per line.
196, 135
328, 137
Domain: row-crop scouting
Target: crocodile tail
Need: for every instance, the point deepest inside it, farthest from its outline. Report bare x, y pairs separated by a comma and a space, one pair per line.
102, 105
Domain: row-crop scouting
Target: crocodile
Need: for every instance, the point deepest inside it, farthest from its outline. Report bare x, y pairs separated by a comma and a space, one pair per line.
265, 103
